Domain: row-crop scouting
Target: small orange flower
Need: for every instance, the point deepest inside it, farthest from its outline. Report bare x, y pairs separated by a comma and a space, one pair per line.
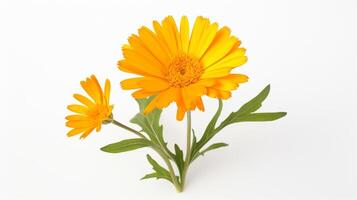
180, 66
91, 114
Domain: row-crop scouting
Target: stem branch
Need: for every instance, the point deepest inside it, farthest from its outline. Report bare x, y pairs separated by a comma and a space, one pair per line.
158, 150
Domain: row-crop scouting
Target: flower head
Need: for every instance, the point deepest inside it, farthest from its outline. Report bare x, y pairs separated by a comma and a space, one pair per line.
92, 112
178, 66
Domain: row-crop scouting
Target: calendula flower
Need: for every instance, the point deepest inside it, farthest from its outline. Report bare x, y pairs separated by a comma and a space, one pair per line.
177, 65
91, 113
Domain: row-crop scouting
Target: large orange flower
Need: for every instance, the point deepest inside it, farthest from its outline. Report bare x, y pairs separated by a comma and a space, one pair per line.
93, 112
180, 67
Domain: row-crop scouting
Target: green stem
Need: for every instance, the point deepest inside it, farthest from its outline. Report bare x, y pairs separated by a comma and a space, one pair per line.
188, 150
171, 169
128, 128
156, 148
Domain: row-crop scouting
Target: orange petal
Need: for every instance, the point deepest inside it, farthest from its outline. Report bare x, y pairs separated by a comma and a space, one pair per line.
96, 87
154, 84
162, 100
180, 114
84, 100
211, 92
147, 43
78, 109
77, 117
79, 124
140, 94
135, 62
199, 104
86, 133
107, 91
131, 83
75, 131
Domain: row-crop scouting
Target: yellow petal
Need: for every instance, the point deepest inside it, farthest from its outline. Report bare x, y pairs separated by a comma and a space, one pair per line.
207, 39
216, 73
234, 59
220, 46
139, 64
153, 84
148, 43
86, 133
84, 100
184, 33
198, 27
161, 38
169, 35
75, 131
107, 91
150, 84
89, 90
77, 117
79, 124
131, 83
96, 87
140, 94
214, 93
78, 109
174, 31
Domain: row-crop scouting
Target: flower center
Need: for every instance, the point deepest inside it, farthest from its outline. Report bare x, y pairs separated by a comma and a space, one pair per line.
184, 70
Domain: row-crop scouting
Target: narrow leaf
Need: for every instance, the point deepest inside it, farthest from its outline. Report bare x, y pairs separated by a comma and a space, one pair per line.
214, 146
254, 117
255, 103
212, 123
152, 175
210, 148
150, 124
160, 171
178, 158
209, 132
126, 145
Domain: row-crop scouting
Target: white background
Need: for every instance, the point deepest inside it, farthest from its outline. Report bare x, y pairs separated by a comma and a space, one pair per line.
306, 50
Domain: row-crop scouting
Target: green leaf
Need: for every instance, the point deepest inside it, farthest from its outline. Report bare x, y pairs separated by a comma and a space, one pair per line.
126, 145
150, 124
211, 147
160, 172
144, 123
249, 107
152, 175
143, 103
214, 146
259, 117
209, 132
178, 158
245, 114
212, 123
254, 104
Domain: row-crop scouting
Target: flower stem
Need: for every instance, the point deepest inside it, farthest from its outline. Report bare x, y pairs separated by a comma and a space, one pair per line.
158, 150
171, 169
188, 150
128, 128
